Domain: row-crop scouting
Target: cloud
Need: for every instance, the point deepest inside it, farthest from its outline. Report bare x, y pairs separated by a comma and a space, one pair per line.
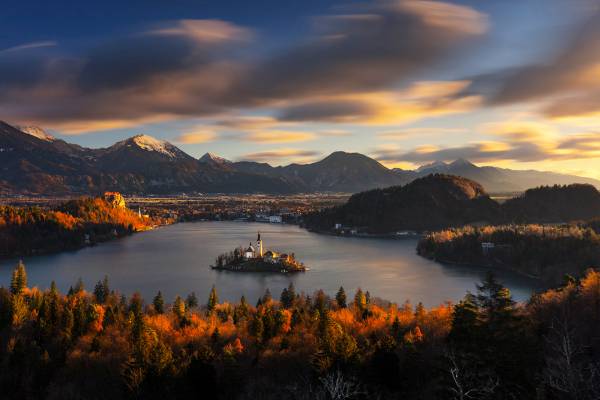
334, 133
202, 136
245, 123
588, 144
328, 110
370, 47
32, 45
279, 154
207, 68
419, 132
272, 136
566, 85
205, 31
138, 77
526, 145
419, 100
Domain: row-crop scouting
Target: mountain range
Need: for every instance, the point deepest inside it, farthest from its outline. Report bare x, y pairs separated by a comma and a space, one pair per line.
36, 163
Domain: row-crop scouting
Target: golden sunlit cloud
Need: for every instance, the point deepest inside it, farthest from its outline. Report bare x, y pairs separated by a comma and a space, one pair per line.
518, 141
421, 100
246, 123
206, 30
285, 154
454, 17
273, 136
85, 127
334, 133
196, 137
406, 133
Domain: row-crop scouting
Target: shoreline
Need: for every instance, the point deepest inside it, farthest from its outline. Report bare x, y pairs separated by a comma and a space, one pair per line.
503, 267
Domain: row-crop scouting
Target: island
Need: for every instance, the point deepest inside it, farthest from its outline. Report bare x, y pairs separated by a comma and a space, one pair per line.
254, 259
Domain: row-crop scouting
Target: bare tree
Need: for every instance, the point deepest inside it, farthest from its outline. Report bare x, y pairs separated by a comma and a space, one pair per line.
339, 387
334, 386
567, 371
467, 385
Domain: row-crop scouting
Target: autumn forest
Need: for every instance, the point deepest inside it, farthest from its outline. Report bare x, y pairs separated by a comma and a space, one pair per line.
98, 344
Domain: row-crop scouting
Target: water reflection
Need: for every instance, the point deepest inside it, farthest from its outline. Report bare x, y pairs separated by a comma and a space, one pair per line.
176, 260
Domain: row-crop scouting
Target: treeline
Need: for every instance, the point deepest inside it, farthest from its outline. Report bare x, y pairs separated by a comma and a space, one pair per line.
34, 230
102, 345
546, 252
444, 201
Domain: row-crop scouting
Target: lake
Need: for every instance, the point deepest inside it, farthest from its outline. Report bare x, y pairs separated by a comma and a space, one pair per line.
176, 259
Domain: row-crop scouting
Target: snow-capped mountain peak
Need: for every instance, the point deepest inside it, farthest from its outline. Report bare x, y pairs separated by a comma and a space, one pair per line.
461, 162
434, 165
37, 132
150, 143
210, 157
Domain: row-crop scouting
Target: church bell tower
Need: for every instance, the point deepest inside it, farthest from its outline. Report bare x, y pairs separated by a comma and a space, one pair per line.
259, 245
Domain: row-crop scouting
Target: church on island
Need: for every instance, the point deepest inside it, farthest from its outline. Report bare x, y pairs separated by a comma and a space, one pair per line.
255, 259
253, 253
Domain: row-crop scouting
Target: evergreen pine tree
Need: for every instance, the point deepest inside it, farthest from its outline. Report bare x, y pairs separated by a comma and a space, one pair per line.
179, 307
191, 300
420, 312
215, 337
396, 328
320, 301
257, 328
159, 303
213, 299
288, 296
18, 280
284, 298
78, 286
466, 323
53, 288
99, 292
496, 302
267, 297
360, 300
105, 287
340, 298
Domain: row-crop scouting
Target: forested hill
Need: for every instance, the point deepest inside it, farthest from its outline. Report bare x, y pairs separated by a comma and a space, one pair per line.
74, 224
441, 201
554, 204
433, 202
544, 252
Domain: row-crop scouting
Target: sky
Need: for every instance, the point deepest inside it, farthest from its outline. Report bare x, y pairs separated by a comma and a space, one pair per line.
512, 83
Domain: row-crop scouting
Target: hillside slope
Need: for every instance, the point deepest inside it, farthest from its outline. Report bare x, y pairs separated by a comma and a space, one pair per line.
432, 202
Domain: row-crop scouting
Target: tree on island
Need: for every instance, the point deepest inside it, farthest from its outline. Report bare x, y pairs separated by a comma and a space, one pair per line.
18, 280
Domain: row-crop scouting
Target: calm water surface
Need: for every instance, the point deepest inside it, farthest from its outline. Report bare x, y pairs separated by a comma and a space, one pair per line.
176, 259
